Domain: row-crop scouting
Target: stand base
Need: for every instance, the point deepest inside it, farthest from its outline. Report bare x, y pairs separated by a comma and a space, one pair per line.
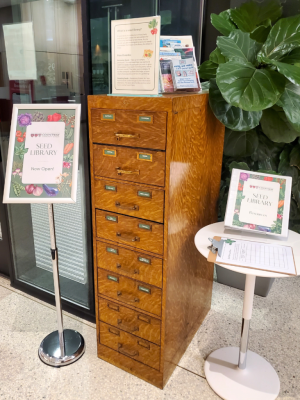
49, 350
258, 381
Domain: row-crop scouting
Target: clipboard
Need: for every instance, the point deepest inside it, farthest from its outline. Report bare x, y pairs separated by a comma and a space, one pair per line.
216, 250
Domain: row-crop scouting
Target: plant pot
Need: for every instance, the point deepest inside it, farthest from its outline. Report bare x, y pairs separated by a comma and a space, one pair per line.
236, 280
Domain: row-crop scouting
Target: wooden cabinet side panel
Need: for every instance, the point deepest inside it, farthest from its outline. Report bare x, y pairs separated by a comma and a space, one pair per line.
194, 156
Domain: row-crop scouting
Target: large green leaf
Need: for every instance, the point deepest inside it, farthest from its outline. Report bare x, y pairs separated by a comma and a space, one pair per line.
295, 156
284, 37
291, 72
251, 14
267, 153
293, 57
290, 102
251, 89
207, 70
205, 85
240, 144
239, 47
238, 165
222, 22
261, 33
217, 57
276, 126
232, 117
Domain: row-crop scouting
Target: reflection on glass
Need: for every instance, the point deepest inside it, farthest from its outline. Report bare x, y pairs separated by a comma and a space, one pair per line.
53, 29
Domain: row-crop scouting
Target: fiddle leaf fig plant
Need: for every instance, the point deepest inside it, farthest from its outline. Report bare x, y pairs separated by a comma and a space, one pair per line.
253, 77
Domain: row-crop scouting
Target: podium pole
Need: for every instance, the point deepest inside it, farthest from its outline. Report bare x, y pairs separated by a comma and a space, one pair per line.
64, 346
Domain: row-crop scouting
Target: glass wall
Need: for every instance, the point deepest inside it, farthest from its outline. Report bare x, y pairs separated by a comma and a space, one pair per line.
178, 17
41, 61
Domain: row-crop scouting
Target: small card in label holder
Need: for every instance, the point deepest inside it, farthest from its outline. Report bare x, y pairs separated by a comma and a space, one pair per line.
252, 254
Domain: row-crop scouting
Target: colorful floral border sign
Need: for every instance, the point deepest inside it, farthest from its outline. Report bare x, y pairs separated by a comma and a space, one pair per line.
258, 198
42, 164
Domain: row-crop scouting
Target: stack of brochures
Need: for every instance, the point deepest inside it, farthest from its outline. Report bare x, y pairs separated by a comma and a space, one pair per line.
178, 67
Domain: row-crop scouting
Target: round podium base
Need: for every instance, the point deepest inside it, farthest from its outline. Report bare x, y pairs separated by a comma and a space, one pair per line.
258, 381
49, 350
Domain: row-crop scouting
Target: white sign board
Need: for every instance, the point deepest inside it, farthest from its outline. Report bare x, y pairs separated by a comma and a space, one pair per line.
20, 51
135, 55
42, 163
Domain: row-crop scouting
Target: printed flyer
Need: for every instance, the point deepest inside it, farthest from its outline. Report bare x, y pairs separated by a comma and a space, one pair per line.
43, 154
258, 202
135, 55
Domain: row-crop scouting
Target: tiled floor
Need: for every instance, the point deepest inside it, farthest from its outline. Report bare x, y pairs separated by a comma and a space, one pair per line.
24, 322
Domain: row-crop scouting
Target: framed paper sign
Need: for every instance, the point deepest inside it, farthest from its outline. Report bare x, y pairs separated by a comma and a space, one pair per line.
42, 162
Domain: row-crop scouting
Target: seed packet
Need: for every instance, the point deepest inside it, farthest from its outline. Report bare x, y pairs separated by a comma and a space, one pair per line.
166, 76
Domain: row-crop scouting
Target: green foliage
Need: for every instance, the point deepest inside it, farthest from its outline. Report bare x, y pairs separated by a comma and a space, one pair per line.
254, 90
20, 150
17, 187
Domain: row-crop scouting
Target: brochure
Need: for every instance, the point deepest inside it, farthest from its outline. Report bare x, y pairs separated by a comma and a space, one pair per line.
184, 74
259, 202
166, 76
176, 41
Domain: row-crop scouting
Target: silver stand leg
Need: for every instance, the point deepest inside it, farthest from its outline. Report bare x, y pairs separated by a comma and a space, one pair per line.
247, 313
61, 347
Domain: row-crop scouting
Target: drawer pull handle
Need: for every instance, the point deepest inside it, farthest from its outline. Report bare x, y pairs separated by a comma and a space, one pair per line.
121, 171
129, 207
135, 271
127, 352
128, 299
128, 238
113, 307
114, 331
120, 135
127, 327
144, 319
146, 345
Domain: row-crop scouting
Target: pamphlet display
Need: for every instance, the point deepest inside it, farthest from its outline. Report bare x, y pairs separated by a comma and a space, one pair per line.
135, 55
42, 167
259, 202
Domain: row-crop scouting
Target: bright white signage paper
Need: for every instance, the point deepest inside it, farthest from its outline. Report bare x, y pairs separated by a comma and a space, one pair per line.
135, 55
20, 51
44, 160
267, 257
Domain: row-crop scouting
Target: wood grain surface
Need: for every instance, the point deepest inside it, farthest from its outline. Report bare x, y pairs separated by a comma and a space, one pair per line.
129, 230
141, 171
129, 291
130, 321
130, 200
143, 134
130, 263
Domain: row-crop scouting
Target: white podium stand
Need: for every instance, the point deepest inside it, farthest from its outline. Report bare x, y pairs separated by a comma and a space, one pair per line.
238, 373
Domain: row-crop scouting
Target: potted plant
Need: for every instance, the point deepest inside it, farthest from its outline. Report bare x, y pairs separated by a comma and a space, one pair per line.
253, 77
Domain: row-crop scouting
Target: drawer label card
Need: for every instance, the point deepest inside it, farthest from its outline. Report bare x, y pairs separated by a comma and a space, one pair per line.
111, 188
110, 153
145, 118
144, 289
144, 260
107, 116
111, 218
112, 278
111, 250
144, 156
142, 193
145, 226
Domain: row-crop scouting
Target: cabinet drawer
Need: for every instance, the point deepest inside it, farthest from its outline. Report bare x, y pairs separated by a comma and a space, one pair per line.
136, 201
135, 165
145, 235
130, 321
129, 345
130, 128
129, 263
130, 291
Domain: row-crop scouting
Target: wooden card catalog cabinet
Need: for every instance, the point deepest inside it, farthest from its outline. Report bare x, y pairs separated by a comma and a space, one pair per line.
155, 168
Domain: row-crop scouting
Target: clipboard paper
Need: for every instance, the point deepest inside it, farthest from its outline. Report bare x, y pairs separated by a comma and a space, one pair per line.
255, 255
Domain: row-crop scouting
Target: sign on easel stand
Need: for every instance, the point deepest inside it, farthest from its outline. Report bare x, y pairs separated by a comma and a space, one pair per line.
42, 167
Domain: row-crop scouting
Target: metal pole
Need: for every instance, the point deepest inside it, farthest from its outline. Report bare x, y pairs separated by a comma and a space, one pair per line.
56, 281
247, 313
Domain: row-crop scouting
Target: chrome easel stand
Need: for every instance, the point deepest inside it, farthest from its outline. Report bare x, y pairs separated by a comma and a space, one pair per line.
61, 347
